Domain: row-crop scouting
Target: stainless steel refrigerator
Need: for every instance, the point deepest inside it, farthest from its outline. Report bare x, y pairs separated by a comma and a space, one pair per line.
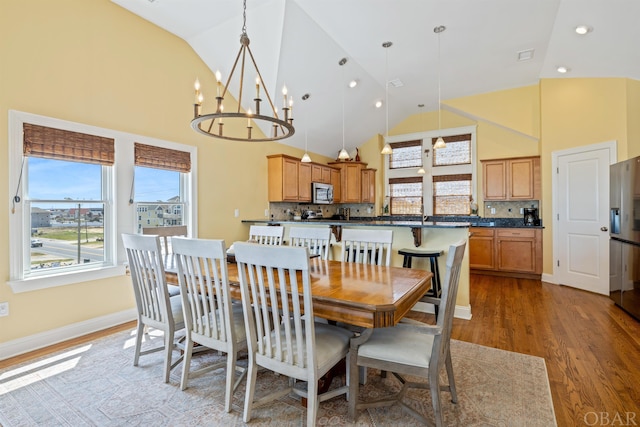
624, 232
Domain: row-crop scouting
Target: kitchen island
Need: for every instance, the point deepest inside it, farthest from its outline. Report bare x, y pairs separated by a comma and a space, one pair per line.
425, 235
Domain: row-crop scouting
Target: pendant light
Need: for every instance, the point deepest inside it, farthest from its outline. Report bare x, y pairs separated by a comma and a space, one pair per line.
387, 148
439, 142
343, 155
305, 158
421, 171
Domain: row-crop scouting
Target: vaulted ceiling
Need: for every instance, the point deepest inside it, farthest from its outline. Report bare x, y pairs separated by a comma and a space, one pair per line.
300, 42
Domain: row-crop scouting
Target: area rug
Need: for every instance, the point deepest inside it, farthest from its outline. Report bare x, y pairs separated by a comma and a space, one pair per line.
97, 385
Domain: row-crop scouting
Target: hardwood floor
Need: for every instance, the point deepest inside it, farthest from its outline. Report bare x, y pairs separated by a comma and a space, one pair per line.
591, 347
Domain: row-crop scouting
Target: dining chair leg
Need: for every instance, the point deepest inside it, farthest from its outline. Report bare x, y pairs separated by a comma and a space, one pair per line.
434, 387
168, 350
452, 382
186, 362
312, 403
251, 389
139, 335
231, 379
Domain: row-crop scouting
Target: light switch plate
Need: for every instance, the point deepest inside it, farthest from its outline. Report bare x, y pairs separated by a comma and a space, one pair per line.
4, 309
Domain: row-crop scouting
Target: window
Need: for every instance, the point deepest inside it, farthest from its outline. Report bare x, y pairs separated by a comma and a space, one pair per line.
64, 198
448, 183
406, 154
158, 185
406, 196
65, 177
452, 194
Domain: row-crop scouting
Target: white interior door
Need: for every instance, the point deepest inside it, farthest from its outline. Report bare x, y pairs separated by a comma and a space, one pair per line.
582, 214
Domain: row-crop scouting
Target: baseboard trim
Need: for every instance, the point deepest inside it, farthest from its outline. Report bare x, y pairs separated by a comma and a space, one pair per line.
461, 312
44, 339
549, 278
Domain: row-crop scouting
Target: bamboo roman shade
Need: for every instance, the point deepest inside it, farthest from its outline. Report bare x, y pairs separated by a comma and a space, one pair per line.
456, 152
406, 154
162, 158
58, 144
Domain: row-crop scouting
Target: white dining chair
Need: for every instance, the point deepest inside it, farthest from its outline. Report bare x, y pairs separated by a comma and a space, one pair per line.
155, 308
316, 239
166, 234
367, 246
267, 234
211, 320
276, 298
415, 349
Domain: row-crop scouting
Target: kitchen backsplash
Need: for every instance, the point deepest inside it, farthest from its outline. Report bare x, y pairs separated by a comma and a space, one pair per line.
283, 211
508, 209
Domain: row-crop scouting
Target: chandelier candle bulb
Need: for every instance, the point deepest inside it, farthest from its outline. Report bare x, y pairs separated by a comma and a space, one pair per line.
257, 88
219, 82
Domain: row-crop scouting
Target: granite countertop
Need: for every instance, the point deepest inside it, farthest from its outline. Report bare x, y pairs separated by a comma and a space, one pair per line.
365, 222
408, 221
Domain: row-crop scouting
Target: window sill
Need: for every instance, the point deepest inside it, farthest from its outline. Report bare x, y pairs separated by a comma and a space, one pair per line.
63, 279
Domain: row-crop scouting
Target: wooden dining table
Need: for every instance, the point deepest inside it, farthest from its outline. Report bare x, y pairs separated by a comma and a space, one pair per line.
369, 296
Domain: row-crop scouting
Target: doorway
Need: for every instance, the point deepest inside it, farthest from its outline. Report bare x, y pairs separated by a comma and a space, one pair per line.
581, 213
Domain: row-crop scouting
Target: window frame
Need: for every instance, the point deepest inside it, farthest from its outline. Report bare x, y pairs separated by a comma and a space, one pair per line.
117, 186
427, 162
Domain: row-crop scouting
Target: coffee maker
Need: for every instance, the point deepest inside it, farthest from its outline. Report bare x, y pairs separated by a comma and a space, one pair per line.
531, 217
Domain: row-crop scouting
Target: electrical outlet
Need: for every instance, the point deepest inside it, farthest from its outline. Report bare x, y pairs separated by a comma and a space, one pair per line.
493, 211
236, 213
4, 309
521, 210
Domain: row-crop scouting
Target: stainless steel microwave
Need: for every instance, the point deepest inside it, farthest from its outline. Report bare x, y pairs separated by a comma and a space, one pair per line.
321, 194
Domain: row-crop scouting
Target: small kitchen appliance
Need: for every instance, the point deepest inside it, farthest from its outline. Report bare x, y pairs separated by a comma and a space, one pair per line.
531, 217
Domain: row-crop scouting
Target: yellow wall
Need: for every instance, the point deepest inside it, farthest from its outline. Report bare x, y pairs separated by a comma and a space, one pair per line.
95, 63
633, 122
577, 112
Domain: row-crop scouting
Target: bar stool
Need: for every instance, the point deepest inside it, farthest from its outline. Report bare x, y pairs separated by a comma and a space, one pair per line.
436, 285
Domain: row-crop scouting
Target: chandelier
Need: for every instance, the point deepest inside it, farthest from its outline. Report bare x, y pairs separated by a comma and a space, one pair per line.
212, 124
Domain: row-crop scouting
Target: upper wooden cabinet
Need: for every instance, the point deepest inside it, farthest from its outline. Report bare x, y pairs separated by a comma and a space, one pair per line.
511, 179
335, 181
368, 192
289, 180
320, 173
350, 181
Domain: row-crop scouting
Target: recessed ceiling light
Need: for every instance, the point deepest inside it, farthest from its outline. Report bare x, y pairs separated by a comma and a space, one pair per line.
583, 29
525, 55
561, 69
378, 104
353, 83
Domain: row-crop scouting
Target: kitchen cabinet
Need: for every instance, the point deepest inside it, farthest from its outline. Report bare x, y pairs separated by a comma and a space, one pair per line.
481, 248
336, 182
368, 181
304, 182
511, 179
506, 251
350, 181
289, 180
320, 173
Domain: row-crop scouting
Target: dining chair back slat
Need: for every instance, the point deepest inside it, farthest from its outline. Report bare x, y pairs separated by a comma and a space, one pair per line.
266, 234
155, 308
367, 246
282, 335
211, 319
316, 239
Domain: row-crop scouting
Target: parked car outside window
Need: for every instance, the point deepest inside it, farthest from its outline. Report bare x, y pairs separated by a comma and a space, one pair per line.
36, 243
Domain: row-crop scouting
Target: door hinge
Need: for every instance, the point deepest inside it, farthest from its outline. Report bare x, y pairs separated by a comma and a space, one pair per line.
558, 263
557, 170
558, 217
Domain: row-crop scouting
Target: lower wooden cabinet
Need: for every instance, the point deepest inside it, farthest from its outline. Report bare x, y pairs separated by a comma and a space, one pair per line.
516, 251
481, 248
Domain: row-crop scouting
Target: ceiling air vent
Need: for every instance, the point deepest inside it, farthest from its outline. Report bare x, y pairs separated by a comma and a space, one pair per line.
525, 55
396, 83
